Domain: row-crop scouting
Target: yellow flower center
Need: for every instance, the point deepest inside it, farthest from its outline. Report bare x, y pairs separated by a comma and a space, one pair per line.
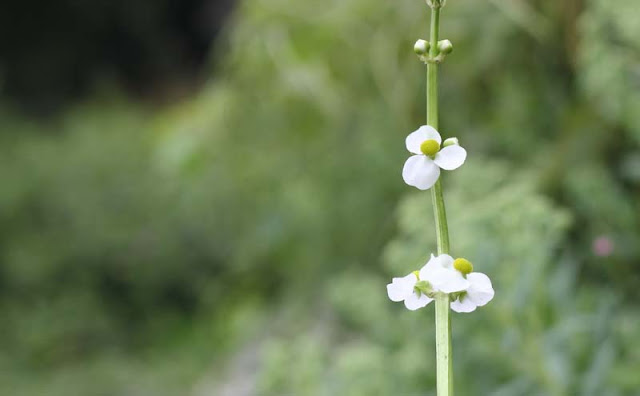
463, 265
430, 147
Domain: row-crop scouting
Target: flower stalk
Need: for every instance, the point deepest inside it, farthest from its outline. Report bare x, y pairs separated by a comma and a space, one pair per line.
444, 368
450, 282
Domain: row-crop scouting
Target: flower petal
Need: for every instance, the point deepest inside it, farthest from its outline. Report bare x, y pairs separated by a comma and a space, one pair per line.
436, 263
481, 291
401, 288
416, 138
416, 300
421, 172
430, 266
463, 305
447, 280
445, 261
451, 157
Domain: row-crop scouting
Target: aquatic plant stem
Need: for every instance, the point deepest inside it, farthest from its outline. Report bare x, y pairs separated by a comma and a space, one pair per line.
444, 368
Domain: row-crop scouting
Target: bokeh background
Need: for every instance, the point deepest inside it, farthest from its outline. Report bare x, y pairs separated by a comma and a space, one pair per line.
204, 197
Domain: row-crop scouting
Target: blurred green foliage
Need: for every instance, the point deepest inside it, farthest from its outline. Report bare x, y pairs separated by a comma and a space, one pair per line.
242, 239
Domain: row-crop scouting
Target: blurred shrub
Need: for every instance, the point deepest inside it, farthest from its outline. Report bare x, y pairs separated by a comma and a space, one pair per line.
609, 57
275, 188
542, 335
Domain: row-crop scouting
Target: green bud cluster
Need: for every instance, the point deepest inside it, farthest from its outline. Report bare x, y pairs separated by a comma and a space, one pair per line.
422, 48
436, 3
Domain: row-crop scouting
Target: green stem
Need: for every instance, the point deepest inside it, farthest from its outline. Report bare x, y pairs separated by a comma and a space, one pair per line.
444, 369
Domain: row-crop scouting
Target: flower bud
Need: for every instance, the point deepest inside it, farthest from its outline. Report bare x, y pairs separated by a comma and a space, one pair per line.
436, 3
421, 47
445, 47
451, 142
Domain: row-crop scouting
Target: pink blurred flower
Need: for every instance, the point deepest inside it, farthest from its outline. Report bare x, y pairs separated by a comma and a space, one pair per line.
602, 246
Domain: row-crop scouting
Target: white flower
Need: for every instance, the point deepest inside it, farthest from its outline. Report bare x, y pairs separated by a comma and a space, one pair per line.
441, 274
423, 169
445, 275
479, 293
404, 289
